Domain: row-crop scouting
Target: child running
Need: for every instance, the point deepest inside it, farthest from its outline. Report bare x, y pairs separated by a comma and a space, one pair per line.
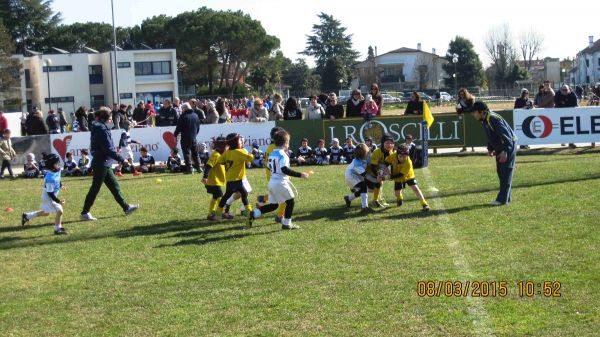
403, 174
280, 189
214, 177
378, 167
355, 178
261, 200
50, 202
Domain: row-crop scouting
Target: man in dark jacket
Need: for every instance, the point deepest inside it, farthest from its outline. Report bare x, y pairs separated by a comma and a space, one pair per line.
565, 98
501, 143
197, 110
53, 122
103, 152
167, 115
188, 126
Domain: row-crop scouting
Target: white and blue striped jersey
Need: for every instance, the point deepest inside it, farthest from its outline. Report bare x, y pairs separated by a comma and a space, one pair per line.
52, 182
278, 159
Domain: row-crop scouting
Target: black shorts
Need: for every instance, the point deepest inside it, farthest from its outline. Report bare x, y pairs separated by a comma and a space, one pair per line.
372, 185
360, 187
235, 186
399, 186
216, 191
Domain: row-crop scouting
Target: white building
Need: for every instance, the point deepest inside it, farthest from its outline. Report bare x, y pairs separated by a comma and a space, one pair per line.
84, 79
401, 69
587, 65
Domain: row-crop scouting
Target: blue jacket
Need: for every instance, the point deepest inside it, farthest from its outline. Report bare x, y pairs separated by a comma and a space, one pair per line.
500, 136
188, 126
102, 148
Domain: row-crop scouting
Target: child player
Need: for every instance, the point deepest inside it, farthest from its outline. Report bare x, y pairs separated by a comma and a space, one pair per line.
403, 174
336, 152
124, 149
234, 159
50, 202
84, 163
355, 178
70, 168
264, 199
31, 169
376, 171
214, 177
348, 150
280, 189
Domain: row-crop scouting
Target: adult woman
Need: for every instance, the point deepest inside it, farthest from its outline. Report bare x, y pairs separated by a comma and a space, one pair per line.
276, 111
222, 110
81, 117
355, 104
377, 96
314, 109
35, 124
140, 114
537, 101
212, 116
523, 102
415, 105
291, 110
465, 104
258, 113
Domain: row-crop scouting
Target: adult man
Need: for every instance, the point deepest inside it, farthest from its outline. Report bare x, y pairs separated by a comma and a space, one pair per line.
566, 98
501, 143
167, 116
103, 153
197, 110
547, 96
116, 116
53, 122
188, 126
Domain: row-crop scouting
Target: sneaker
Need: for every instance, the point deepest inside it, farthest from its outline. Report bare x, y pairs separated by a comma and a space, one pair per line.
367, 210
496, 203
60, 231
399, 202
378, 204
226, 216
131, 209
249, 219
87, 217
212, 217
347, 200
119, 174
137, 173
425, 208
24, 219
243, 212
385, 204
278, 219
290, 226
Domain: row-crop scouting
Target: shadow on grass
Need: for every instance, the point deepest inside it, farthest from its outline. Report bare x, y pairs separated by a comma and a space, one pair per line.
419, 214
215, 239
48, 222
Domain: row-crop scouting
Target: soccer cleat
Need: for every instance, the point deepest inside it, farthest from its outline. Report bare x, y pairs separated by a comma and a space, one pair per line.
119, 174
425, 208
249, 219
137, 173
131, 209
278, 219
211, 217
385, 204
60, 231
399, 202
496, 203
226, 216
87, 217
347, 200
366, 210
243, 212
290, 226
378, 204
24, 219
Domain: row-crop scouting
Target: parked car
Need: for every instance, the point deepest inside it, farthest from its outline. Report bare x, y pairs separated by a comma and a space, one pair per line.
387, 99
425, 97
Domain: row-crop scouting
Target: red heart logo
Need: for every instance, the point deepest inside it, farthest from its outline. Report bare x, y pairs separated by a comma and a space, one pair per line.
61, 145
169, 138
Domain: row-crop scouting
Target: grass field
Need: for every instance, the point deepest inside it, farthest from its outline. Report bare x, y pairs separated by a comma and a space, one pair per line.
165, 271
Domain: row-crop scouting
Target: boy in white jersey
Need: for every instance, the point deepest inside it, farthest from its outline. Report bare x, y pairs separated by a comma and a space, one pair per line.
280, 189
355, 178
50, 202
124, 149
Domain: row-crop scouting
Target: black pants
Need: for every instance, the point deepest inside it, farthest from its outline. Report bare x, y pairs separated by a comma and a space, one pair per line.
289, 208
6, 165
232, 187
107, 176
190, 155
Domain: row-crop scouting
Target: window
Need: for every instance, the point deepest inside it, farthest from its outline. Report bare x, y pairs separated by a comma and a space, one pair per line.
65, 99
126, 95
587, 62
95, 74
152, 68
57, 68
27, 79
96, 101
123, 64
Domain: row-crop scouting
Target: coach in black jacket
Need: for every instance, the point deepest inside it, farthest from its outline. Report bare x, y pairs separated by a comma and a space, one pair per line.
188, 126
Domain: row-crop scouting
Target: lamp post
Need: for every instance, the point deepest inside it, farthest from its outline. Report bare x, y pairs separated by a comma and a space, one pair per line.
455, 60
48, 63
562, 75
341, 83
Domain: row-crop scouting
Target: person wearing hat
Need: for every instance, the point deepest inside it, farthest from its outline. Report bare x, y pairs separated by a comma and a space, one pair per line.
502, 145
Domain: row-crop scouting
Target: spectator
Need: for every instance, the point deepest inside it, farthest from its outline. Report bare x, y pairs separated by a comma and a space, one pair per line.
566, 98
334, 110
63, 120
369, 110
415, 105
167, 116
464, 105
537, 100
188, 126
150, 114
523, 102
91, 117
258, 113
314, 109
354, 104
53, 122
377, 96
212, 116
116, 116
123, 121
177, 106
323, 99
276, 110
3, 122
129, 113
223, 111
547, 96
140, 114
7, 154
291, 111
81, 118
197, 110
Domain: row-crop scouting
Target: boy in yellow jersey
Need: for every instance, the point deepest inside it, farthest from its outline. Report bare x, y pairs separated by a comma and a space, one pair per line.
403, 174
264, 199
377, 168
235, 159
214, 177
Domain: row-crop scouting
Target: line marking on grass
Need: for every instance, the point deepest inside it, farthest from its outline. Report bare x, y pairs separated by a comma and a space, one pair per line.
481, 321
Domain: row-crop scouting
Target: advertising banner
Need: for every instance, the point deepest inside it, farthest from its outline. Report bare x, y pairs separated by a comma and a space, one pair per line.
557, 125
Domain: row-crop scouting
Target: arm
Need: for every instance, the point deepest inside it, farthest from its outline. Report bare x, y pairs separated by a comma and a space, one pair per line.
107, 146
502, 130
290, 172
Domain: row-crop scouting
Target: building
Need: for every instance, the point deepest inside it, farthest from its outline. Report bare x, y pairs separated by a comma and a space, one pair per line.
402, 69
587, 65
70, 80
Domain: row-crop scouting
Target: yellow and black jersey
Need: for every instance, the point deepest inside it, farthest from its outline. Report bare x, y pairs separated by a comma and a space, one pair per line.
270, 149
216, 175
404, 168
235, 163
378, 158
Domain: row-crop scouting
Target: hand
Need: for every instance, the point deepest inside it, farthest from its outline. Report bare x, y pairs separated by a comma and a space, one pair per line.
379, 179
502, 157
63, 188
305, 175
62, 202
204, 181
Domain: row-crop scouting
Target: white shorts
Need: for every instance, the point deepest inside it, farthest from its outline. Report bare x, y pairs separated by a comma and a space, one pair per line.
280, 191
48, 205
246, 184
126, 152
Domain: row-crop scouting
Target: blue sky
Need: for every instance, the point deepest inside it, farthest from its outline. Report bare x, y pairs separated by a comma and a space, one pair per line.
385, 24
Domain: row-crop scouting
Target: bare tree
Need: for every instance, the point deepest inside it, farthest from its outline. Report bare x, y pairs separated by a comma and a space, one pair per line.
501, 50
422, 71
530, 44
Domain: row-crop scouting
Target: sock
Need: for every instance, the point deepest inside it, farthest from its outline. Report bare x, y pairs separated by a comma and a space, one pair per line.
286, 222
57, 227
220, 211
211, 206
248, 207
400, 196
281, 210
377, 194
351, 196
364, 198
230, 201
31, 215
424, 202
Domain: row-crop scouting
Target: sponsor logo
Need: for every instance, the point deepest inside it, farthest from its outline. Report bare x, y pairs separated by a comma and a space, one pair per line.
537, 126
61, 145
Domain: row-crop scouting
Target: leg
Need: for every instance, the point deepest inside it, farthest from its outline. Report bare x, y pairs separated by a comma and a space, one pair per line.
195, 158
187, 159
4, 164
113, 185
97, 180
9, 167
505, 174
286, 223
419, 195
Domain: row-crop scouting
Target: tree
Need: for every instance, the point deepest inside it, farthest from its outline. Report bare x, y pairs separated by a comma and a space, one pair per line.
297, 76
422, 71
370, 53
28, 22
10, 70
503, 53
530, 44
332, 50
469, 71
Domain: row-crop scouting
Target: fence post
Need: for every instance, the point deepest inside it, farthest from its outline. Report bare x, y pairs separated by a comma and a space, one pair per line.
424, 144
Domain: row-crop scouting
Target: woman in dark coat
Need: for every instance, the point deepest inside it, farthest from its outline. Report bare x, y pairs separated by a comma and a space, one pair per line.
35, 124
355, 104
415, 105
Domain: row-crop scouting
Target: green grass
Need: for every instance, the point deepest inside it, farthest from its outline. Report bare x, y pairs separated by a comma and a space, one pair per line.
165, 271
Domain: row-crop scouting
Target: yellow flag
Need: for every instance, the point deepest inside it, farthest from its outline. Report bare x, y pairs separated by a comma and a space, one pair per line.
427, 114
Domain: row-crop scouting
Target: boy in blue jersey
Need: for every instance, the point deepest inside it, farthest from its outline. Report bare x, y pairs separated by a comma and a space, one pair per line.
280, 188
50, 202
355, 178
